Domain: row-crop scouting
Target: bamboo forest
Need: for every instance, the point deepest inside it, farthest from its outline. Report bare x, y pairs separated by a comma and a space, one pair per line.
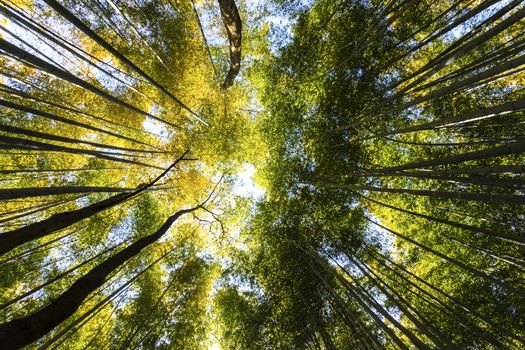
251, 174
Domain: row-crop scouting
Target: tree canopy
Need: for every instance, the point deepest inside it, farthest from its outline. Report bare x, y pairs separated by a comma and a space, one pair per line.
287, 174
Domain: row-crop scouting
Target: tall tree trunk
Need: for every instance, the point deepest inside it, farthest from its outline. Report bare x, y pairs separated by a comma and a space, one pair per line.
12, 239
517, 238
8, 142
482, 197
452, 57
28, 57
232, 22
97, 307
505, 285
468, 117
28, 192
443, 307
47, 136
409, 311
55, 5
23, 331
489, 337
516, 62
22, 108
15, 92
512, 148
59, 276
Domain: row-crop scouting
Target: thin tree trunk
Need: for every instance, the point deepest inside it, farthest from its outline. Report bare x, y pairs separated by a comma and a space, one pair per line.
491, 339
9, 142
23, 331
19, 107
15, 92
420, 322
439, 305
12, 239
39, 248
468, 117
28, 192
59, 276
452, 57
516, 62
475, 11
47, 136
512, 148
25, 56
518, 238
96, 307
483, 197
505, 285
55, 5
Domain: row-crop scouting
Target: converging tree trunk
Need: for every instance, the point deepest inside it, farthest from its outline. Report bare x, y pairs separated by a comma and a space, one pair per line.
12, 239
22, 331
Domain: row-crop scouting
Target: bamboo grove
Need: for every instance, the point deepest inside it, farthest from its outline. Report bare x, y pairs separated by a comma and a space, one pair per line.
386, 150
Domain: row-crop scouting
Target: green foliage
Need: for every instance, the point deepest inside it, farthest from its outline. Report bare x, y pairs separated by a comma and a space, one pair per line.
387, 137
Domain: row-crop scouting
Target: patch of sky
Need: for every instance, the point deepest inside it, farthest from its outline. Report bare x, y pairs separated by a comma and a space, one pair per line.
155, 126
461, 30
210, 17
376, 235
59, 259
282, 19
170, 269
241, 283
82, 201
69, 177
341, 261
122, 230
244, 184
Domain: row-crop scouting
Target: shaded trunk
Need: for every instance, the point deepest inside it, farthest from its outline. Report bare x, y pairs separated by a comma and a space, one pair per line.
97, 307
41, 247
14, 92
12, 239
517, 238
512, 148
516, 62
19, 107
442, 307
455, 301
55, 5
23, 331
452, 57
468, 117
232, 22
46, 136
25, 171
482, 197
58, 277
25, 56
473, 271
409, 311
9, 142
27, 192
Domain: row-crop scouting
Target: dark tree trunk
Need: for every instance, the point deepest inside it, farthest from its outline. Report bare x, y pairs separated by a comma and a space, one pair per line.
23, 331
94, 36
27, 192
232, 22
25, 56
12, 239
